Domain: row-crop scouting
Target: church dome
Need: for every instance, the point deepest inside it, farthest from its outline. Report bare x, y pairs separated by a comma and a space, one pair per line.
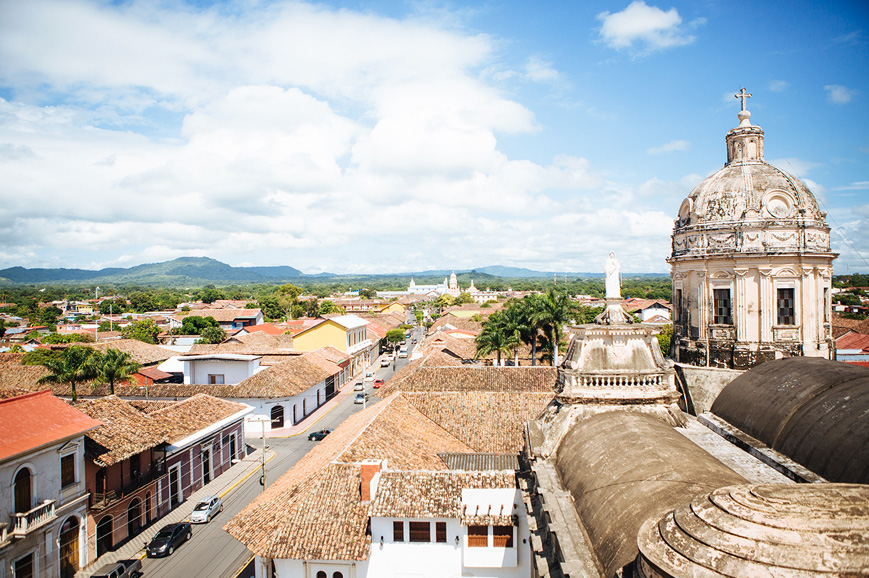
749, 206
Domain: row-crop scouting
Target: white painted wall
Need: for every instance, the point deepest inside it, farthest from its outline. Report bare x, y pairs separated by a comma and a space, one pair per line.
233, 371
263, 407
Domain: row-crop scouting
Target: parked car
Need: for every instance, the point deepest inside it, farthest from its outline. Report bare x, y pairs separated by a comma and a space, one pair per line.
402, 352
369, 376
120, 569
205, 509
360, 398
385, 361
318, 435
358, 386
168, 538
378, 383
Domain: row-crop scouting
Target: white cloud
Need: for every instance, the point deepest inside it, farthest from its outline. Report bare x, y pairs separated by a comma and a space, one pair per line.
838, 94
797, 167
855, 186
644, 28
672, 146
778, 85
539, 70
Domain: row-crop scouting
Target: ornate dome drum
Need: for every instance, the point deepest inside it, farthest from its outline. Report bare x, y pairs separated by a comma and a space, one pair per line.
751, 263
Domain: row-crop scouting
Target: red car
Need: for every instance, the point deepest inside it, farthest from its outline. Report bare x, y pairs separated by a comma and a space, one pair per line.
378, 383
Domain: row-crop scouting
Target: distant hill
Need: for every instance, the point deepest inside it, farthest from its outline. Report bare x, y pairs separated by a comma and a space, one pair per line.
193, 271
199, 271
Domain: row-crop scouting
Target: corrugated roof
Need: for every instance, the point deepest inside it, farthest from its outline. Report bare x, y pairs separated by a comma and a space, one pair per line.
480, 461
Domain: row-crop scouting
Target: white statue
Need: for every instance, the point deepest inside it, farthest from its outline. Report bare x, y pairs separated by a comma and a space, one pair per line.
613, 285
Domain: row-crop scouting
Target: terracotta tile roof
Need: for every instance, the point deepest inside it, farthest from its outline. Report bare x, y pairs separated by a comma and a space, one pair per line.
33, 420
858, 341
540, 379
860, 326
144, 353
251, 344
458, 323
191, 415
407, 494
14, 375
489, 520
154, 373
290, 377
314, 510
125, 432
264, 328
484, 421
150, 405
334, 355
321, 360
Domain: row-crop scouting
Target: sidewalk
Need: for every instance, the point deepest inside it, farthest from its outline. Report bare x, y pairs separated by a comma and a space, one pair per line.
220, 486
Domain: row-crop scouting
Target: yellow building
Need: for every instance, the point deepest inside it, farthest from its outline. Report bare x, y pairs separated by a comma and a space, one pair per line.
345, 333
394, 307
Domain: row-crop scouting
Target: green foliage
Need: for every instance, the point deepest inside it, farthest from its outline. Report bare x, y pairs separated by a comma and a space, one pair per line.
664, 338
140, 302
209, 294
499, 335
53, 338
144, 330
195, 325
368, 293
113, 366
48, 315
112, 306
327, 307
444, 300
395, 335
419, 315
38, 356
847, 299
477, 318
212, 335
463, 298
75, 364
857, 316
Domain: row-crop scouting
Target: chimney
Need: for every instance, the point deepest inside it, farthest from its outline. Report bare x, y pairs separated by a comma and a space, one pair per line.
368, 472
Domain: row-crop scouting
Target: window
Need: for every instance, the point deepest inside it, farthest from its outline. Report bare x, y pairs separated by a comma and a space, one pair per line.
337, 575
502, 536
441, 532
478, 536
398, 531
23, 499
215, 379
321, 574
785, 306
722, 315
23, 567
826, 305
67, 470
678, 304
420, 532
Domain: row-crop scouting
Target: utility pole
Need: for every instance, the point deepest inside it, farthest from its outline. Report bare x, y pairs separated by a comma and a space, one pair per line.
263, 479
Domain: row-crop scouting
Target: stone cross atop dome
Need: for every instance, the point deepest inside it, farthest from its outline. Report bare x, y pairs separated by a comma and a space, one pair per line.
744, 114
745, 142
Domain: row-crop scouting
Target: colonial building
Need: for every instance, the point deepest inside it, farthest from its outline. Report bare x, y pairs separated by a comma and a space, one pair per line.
751, 263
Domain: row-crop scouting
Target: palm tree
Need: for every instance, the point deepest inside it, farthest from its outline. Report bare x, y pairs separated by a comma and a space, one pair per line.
75, 364
517, 324
495, 337
556, 309
115, 365
531, 308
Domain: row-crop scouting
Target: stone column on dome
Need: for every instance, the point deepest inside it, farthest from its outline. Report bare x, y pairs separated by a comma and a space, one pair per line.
766, 305
702, 306
740, 318
808, 304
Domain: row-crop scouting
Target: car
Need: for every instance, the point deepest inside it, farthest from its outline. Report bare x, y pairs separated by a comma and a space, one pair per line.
318, 435
205, 509
360, 398
369, 376
168, 538
413, 340
378, 383
358, 386
385, 361
120, 569
402, 353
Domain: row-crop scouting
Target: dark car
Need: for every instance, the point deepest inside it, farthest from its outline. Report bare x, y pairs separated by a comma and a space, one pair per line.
168, 538
318, 435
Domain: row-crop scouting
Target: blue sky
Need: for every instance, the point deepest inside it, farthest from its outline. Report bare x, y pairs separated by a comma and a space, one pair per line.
386, 136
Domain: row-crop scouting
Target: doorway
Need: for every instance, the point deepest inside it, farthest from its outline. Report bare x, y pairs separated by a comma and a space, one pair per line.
69, 533
174, 486
206, 466
133, 518
104, 536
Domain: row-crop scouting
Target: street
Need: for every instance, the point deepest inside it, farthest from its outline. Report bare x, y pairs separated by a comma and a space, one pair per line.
211, 552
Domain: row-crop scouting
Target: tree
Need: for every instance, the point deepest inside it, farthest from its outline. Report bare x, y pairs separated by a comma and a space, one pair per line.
419, 315
271, 307
555, 310
112, 306
49, 315
444, 300
463, 298
212, 335
53, 338
75, 364
327, 307
114, 365
195, 325
141, 301
144, 330
368, 293
395, 335
496, 337
664, 338
209, 294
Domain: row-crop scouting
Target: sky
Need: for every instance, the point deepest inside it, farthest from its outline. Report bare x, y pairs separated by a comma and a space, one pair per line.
383, 137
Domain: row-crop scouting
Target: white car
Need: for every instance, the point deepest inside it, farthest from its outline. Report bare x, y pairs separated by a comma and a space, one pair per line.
205, 509
387, 359
358, 386
369, 376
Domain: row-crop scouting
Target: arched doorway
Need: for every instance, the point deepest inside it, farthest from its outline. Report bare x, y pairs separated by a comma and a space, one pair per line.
134, 520
69, 561
23, 499
277, 416
104, 536
100, 486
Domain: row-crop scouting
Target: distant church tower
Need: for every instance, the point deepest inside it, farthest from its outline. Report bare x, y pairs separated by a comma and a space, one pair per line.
454, 285
751, 263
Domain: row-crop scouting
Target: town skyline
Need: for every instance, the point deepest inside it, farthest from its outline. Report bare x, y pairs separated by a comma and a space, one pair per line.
381, 138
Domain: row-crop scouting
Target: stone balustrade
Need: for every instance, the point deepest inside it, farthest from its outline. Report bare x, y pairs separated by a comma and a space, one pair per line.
649, 380
37, 517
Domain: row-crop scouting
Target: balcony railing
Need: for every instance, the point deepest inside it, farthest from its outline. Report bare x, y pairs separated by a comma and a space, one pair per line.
4, 533
34, 519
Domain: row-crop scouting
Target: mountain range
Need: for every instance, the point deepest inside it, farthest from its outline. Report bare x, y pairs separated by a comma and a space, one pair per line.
198, 271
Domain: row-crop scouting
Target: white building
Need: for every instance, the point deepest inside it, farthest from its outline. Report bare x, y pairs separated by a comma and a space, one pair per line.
43, 499
751, 263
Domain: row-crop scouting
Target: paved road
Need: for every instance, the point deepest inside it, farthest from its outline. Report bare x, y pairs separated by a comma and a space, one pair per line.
212, 553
